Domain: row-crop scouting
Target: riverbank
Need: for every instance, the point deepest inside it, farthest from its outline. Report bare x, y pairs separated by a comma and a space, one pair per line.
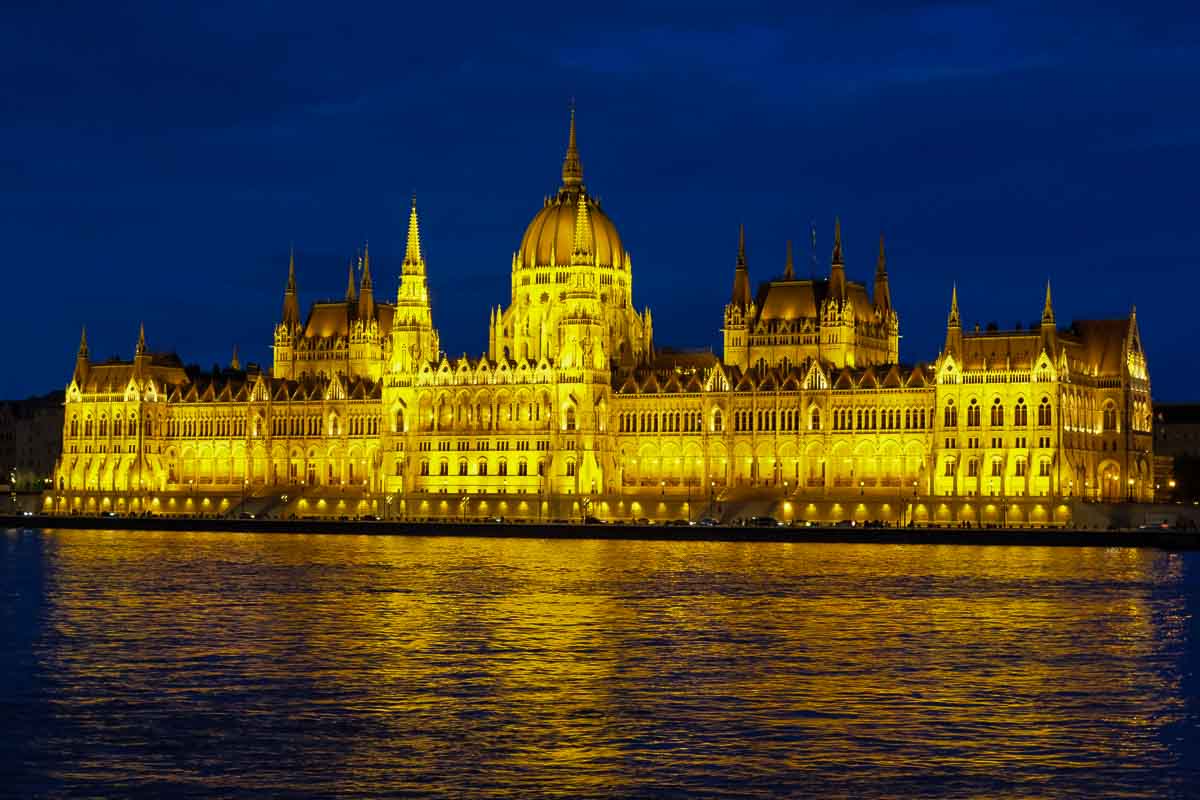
1023, 537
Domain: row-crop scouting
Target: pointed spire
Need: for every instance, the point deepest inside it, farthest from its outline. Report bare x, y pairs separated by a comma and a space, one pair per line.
741, 275
883, 293
572, 171
83, 348
954, 320
81, 358
291, 305
954, 333
1047, 308
291, 284
141, 342
234, 363
351, 295
789, 268
366, 290
413, 262
582, 250
837, 273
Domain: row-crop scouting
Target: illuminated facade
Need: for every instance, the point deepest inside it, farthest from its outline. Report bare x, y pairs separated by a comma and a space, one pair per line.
808, 412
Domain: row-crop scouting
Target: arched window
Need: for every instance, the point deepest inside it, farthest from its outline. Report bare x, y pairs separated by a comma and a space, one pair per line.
569, 424
502, 467
103, 426
973, 414
482, 467
950, 417
717, 424
570, 469
1044, 412
1021, 413
444, 467
973, 468
522, 468
74, 426
87, 427
462, 467
1110, 417
424, 467
816, 419
997, 413
541, 468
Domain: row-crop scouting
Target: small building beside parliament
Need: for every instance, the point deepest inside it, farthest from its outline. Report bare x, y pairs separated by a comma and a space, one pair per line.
808, 413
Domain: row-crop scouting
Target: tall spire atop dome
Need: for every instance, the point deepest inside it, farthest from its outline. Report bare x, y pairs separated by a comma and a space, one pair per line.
572, 171
413, 262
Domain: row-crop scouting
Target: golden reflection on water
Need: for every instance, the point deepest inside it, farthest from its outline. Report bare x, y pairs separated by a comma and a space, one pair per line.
373, 665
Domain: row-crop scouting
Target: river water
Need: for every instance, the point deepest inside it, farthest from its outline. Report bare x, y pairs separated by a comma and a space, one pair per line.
177, 665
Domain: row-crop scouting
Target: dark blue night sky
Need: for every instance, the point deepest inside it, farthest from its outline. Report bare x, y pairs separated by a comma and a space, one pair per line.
155, 162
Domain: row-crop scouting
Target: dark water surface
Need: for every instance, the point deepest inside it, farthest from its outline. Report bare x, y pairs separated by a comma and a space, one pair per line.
171, 665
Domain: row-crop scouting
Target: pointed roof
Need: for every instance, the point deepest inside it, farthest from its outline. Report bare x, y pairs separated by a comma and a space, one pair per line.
366, 293
741, 276
234, 363
837, 240
83, 347
837, 273
1047, 308
954, 320
141, 342
789, 268
351, 295
883, 294
291, 305
413, 262
572, 170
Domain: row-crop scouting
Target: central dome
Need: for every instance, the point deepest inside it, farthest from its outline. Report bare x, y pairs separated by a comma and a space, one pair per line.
552, 231
550, 237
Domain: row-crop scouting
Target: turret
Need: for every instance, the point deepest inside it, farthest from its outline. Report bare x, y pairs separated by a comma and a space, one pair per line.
736, 330
414, 339
883, 294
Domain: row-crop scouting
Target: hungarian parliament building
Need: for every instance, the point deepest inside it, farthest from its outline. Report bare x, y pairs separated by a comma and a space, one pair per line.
807, 413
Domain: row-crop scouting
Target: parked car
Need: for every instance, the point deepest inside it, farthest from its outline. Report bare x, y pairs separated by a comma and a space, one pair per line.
708, 522
763, 522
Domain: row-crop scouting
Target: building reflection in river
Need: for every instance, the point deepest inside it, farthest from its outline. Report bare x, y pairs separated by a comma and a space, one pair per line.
371, 664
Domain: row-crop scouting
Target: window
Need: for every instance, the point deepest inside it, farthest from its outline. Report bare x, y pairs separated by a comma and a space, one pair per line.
1020, 467
950, 417
1044, 412
424, 467
973, 468
1021, 413
502, 467
541, 468
997, 413
571, 469
462, 467
444, 467
1110, 417
973, 414
522, 468
949, 469
1044, 468
399, 422
816, 419
716, 421
482, 467
996, 468
569, 425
